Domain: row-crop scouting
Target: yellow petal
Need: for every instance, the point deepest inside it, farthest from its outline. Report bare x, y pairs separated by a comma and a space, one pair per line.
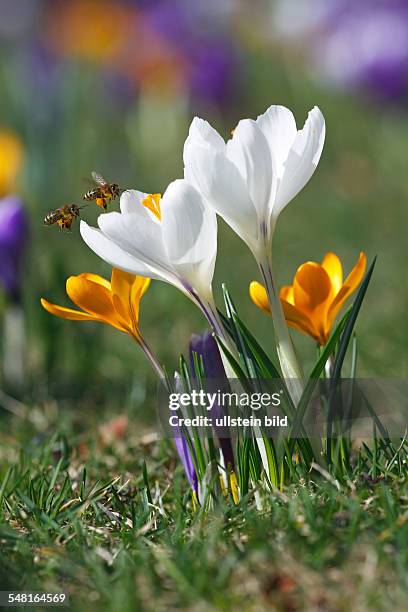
127, 291
286, 293
312, 287
350, 284
95, 278
121, 283
95, 299
299, 320
143, 284
332, 264
139, 288
67, 313
234, 488
259, 296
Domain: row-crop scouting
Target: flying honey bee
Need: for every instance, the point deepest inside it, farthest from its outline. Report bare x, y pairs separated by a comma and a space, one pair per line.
103, 193
64, 216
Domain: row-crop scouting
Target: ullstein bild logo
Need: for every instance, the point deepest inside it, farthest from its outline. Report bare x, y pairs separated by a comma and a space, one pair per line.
228, 421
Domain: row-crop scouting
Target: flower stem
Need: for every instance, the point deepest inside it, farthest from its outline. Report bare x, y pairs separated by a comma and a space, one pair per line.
152, 358
290, 366
216, 323
328, 368
209, 310
14, 346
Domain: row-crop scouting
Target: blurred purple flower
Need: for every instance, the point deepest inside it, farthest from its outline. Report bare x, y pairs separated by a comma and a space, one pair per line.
167, 19
215, 379
120, 91
18, 18
173, 18
44, 77
210, 56
365, 44
13, 241
357, 45
213, 67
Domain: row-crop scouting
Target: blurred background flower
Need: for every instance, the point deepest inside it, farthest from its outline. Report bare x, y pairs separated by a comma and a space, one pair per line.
11, 158
164, 45
356, 45
13, 217
13, 243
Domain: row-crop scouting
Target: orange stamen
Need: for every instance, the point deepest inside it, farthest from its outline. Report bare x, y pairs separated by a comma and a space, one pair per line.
152, 202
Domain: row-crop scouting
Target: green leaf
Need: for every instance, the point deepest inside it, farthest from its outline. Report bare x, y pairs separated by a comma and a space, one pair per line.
342, 350
146, 483
351, 321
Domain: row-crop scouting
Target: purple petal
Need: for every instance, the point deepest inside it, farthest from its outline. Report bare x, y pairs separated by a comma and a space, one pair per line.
186, 459
13, 241
206, 347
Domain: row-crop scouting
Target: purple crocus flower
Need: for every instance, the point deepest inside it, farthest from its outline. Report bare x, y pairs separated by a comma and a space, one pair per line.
365, 44
206, 347
183, 449
186, 459
13, 241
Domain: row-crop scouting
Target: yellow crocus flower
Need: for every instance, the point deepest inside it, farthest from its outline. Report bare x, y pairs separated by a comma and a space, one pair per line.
115, 303
317, 294
11, 159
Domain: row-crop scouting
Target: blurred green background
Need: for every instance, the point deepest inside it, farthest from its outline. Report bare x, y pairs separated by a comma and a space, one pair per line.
113, 86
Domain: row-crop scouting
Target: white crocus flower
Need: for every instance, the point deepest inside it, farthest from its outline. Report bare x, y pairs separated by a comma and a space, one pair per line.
171, 238
250, 179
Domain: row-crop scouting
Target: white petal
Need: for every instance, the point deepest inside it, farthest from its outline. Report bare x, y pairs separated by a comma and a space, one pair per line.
189, 233
130, 200
136, 234
221, 185
202, 132
182, 219
248, 150
279, 127
302, 160
111, 252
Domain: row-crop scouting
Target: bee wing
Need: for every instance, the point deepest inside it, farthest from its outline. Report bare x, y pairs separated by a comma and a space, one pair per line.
98, 178
88, 180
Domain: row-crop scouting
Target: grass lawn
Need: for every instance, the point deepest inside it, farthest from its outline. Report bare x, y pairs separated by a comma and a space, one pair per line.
79, 513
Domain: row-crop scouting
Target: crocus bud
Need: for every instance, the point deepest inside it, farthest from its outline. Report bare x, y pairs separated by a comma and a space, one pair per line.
13, 242
206, 348
182, 447
186, 459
